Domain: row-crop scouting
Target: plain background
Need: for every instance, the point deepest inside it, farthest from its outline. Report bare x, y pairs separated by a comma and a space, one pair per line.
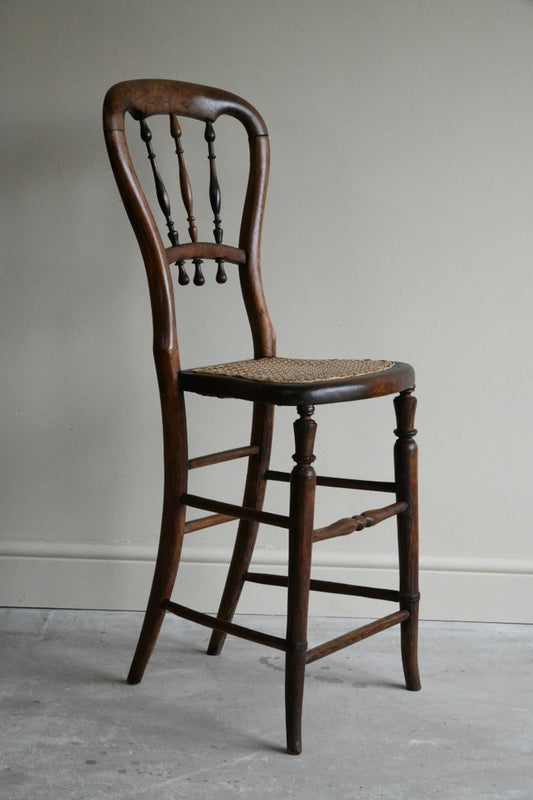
398, 226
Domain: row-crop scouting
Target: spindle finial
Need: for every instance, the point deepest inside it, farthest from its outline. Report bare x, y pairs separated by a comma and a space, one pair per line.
198, 279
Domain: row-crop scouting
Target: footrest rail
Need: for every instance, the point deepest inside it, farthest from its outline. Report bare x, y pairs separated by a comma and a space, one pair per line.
392, 595
355, 636
226, 627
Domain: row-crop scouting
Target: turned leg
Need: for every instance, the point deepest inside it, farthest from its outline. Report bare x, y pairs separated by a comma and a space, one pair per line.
302, 501
172, 531
254, 494
406, 476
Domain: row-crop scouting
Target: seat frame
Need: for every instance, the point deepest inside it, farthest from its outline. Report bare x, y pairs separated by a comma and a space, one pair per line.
142, 99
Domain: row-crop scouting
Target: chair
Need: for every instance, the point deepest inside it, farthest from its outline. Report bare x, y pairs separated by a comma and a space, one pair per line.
265, 381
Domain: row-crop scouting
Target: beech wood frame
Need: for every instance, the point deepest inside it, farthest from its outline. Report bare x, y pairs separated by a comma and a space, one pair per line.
142, 99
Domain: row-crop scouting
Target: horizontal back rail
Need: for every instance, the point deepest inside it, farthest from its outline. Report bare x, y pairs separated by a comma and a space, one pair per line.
209, 250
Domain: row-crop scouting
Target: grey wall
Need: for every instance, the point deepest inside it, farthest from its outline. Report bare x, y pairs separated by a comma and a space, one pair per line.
398, 226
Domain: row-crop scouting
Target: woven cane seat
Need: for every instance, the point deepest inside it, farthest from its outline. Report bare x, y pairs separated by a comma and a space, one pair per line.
293, 381
297, 370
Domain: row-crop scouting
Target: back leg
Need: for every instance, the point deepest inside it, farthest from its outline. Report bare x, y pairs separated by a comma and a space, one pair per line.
254, 495
172, 531
168, 557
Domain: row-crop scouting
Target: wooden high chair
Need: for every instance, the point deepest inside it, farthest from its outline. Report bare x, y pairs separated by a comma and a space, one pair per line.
266, 381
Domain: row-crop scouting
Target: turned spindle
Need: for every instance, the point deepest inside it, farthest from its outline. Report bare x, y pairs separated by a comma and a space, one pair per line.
215, 197
161, 192
162, 197
185, 183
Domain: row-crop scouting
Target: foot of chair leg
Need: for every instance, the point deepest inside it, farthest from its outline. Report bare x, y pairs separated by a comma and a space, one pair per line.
409, 644
216, 644
168, 557
294, 690
242, 554
147, 639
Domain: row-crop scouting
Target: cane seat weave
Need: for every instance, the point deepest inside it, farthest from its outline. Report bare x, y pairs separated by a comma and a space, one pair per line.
297, 370
293, 381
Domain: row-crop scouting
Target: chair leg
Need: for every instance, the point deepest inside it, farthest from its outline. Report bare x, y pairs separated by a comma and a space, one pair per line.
406, 476
254, 494
302, 501
166, 568
172, 532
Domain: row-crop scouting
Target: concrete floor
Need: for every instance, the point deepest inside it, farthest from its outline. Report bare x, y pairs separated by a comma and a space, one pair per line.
199, 727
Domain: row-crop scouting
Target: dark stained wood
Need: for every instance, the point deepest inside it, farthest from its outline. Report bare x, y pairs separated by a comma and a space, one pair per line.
161, 192
206, 250
221, 276
406, 471
145, 98
148, 96
215, 198
356, 635
206, 504
199, 278
173, 515
183, 277
367, 519
301, 513
396, 379
207, 522
185, 183
254, 495
332, 587
339, 483
214, 187
186, 193
223, 455
227, 627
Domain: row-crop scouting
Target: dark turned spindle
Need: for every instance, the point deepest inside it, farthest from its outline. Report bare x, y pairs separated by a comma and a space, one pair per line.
162, 196
186, 191
221, 276
215, 197
214, 188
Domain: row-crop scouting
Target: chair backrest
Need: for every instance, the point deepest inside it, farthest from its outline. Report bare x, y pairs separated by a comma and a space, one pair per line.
143, 99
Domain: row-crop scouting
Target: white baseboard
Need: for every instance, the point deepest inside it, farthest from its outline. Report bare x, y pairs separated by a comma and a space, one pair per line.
64, 575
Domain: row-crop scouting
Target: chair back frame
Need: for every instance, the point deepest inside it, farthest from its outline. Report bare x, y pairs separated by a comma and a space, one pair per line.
148, 97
